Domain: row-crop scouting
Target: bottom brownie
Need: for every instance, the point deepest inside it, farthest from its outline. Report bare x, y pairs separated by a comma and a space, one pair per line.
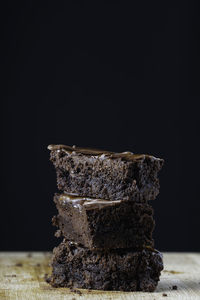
125, 270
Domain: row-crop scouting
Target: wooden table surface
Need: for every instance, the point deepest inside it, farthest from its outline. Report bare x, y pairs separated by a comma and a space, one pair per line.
22, 277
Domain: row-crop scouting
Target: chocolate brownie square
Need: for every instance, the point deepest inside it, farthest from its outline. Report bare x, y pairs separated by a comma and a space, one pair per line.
104, 224
122, 269
106, 175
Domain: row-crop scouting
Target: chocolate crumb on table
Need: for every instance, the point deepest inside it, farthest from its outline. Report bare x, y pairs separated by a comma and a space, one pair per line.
164, 295
18, 264
73, 290
174, 287
47, 278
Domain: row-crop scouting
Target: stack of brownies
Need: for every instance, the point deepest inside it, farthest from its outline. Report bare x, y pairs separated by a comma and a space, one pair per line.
105, 220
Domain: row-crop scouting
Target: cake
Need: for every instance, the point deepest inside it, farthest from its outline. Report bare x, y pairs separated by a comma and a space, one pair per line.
103, 224
120, 270
106, 175
105, 219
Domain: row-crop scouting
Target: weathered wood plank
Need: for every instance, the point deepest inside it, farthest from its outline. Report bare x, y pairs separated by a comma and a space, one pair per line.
22, 277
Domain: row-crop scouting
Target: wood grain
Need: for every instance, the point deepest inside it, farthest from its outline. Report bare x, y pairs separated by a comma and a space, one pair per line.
22, 277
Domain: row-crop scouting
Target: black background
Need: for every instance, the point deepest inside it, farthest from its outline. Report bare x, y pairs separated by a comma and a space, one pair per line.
112, 75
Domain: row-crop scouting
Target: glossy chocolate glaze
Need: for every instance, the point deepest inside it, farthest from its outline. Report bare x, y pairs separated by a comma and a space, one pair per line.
86, 202
99, 153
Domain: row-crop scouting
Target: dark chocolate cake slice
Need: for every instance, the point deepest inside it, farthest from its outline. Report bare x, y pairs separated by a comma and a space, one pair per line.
106, 175
104, 224
125, 270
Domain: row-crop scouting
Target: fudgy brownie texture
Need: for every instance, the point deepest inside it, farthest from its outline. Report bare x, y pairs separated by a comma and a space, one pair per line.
125, 270
106, 175
103, 224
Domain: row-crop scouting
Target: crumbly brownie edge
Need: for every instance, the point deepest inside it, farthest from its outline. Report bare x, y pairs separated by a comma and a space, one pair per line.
115, 270
109, 179
124, 224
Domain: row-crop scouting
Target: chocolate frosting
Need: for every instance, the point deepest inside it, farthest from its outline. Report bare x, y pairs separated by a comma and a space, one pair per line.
86, 202
99, 153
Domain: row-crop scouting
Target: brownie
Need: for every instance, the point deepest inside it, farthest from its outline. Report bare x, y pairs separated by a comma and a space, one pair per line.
104, 224
106, 175
125, 270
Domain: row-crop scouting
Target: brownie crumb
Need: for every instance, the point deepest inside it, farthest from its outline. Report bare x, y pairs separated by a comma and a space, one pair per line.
75, 291
29, 255
19, 265
78, 292
172, 272
47, 278
12, 275
174, 287
164, 295
38, 265
58, 233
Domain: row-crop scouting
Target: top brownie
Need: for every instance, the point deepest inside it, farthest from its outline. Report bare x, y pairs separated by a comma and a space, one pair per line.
106, 175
